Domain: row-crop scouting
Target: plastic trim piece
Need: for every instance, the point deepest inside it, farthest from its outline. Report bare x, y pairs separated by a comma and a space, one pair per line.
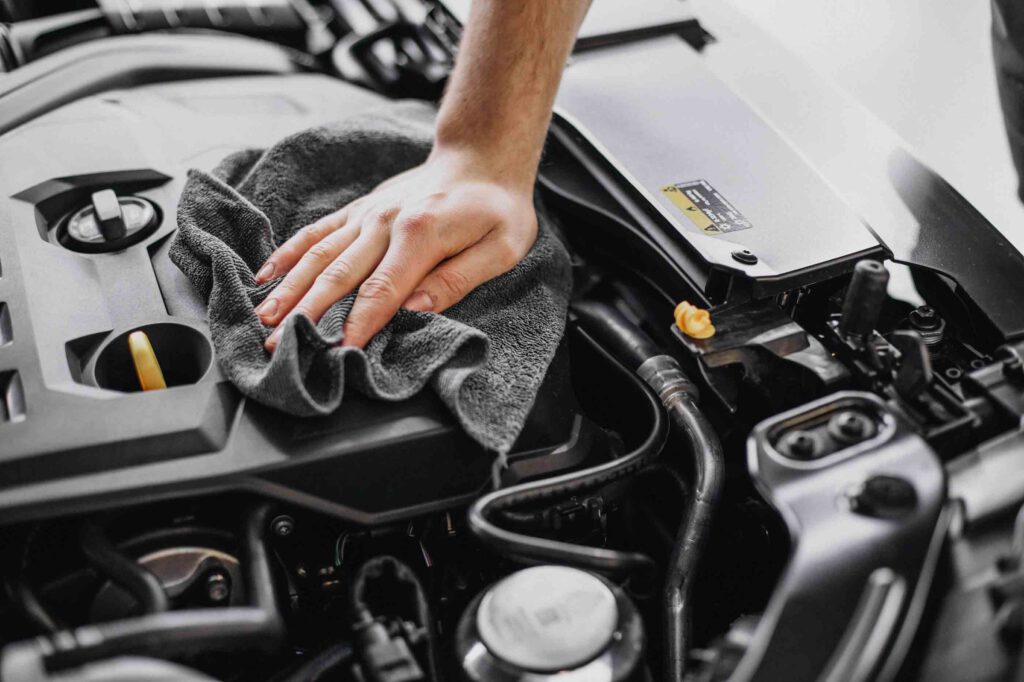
129, 61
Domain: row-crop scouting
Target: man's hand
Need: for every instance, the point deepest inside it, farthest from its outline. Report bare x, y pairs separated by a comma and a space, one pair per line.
421, 240
427, 237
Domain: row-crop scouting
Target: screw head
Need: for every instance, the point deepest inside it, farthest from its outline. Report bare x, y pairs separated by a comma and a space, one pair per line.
282, 526
745, 256
217, 587
850, 426
799, 444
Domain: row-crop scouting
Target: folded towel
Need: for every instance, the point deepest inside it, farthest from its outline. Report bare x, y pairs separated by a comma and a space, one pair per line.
484, 357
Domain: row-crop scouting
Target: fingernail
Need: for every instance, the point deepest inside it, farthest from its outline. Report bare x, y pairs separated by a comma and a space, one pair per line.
272, 340
265, 273
419, 302
268, 308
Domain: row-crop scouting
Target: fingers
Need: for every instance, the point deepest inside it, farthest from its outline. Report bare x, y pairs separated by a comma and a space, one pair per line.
341, 276
413, 252
451, 281
288, 254
301, 277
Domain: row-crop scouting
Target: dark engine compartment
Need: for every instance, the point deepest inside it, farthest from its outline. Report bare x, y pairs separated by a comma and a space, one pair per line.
782, 500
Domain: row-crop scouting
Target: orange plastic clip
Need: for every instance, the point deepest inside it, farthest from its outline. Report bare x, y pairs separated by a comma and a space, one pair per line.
693, 321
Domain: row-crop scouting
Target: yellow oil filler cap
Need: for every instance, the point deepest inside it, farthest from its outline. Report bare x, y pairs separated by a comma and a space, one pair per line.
147, 367
693, 321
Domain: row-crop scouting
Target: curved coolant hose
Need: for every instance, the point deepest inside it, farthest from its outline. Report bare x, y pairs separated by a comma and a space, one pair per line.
543, 550
122, 570
695, 529
678, 394
174, 633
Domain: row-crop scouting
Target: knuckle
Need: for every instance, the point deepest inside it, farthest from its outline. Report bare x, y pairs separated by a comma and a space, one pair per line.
319, 252
417, 223
454, 282
382, 216
314, 230
336, 275
380, 286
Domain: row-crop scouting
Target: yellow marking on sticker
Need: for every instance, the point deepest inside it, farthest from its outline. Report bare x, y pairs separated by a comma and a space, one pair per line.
689, 209
147, 367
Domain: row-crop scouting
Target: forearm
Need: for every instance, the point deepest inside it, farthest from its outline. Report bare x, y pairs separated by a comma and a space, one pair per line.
499, 98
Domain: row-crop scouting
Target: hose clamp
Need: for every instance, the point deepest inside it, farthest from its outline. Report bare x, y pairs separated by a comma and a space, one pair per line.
663, 374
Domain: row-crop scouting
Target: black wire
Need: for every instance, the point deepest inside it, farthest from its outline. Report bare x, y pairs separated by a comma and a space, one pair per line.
533, 549
122, 570
19, 589
177, 633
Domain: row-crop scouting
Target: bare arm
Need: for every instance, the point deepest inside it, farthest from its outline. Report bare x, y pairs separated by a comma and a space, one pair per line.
426, 238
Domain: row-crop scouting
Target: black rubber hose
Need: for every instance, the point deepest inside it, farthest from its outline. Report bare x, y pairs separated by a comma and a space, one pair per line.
122, 570
613, 331
695, 529
23, 596
176, 634
678, 394
542, 550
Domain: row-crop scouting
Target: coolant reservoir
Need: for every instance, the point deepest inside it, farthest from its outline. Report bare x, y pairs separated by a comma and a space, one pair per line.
550, 622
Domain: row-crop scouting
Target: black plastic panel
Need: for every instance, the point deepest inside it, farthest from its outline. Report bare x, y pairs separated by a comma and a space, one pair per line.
74, 430
653, 116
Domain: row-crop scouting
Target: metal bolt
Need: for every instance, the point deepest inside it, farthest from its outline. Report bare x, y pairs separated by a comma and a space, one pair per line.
217, 587
282, 526
851, 427
924, 317
745, 256
799, 444
928, 323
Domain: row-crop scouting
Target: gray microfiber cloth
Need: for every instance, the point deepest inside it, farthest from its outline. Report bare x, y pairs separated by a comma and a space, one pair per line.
485, 357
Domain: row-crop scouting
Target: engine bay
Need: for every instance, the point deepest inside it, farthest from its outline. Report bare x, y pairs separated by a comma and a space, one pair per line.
782, 499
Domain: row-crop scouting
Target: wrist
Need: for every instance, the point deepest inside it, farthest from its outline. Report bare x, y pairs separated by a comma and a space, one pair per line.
514, 169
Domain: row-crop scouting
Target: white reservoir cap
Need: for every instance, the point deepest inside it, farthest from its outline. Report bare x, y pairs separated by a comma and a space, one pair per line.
548, 618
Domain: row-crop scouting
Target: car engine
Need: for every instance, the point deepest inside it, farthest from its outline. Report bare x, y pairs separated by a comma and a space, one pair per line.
781, 439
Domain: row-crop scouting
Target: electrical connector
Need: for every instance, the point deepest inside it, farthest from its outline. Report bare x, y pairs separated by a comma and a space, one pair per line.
386, 658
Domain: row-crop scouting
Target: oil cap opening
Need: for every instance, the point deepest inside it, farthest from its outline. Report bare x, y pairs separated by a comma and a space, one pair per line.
109, 223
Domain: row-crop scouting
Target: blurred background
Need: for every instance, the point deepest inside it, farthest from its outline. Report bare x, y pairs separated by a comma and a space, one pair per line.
923, 67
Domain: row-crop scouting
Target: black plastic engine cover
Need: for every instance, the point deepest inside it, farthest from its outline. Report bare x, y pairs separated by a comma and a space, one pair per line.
73, 433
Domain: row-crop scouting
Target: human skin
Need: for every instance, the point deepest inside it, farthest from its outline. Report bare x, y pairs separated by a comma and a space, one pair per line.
426, 238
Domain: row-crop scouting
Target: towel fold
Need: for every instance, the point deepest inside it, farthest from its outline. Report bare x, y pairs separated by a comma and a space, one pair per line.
485, 357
